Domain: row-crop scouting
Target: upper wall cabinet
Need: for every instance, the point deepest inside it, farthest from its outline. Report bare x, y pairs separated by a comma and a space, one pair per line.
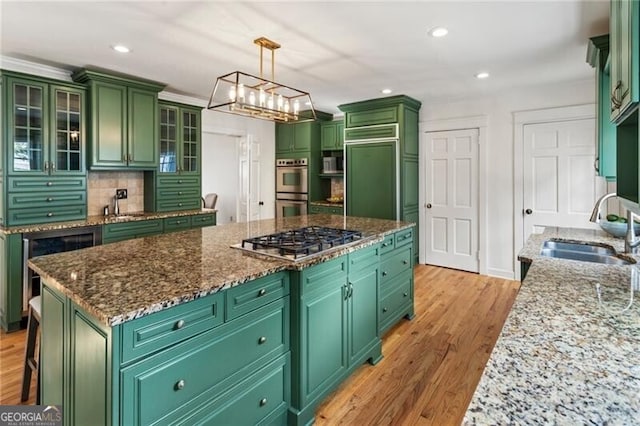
625, 52
597, 57
45, 127
332, 135
179, 139
124, 121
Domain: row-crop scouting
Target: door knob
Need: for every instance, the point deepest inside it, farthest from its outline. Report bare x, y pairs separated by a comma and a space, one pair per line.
261, 203
428, 205
528, 211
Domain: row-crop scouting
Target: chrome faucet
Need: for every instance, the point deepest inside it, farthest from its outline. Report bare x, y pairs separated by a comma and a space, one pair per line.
116, 208
595, 214
631, 242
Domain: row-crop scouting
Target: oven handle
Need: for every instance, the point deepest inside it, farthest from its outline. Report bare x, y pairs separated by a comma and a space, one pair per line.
25, 274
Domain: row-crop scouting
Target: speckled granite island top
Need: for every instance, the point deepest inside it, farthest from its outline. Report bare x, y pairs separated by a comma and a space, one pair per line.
561, 357
122, 281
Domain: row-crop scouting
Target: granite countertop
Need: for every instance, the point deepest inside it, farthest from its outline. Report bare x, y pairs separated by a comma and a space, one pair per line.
562, 358
122, 281
326, 204
101, 220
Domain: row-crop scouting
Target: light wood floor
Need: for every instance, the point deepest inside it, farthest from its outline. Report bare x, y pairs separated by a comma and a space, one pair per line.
431, 365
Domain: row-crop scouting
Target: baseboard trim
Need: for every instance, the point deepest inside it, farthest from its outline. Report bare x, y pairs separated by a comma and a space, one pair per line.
501, 273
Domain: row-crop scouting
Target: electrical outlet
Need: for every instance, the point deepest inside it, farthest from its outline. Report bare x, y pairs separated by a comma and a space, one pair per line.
121, 194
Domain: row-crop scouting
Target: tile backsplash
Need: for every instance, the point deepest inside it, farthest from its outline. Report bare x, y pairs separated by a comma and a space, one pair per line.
337, 187
102, 187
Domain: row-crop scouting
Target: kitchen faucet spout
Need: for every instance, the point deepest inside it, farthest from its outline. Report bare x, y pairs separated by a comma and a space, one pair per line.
631, 242
595, 214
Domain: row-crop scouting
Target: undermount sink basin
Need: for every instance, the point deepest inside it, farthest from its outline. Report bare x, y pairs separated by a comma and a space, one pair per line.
583, 253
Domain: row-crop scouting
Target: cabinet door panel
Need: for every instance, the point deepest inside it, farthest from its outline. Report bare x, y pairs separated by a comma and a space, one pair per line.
109, 140
142, 120
68, 131
328, 136
53, 385
363, 297
284, 138
168, 139
190, 150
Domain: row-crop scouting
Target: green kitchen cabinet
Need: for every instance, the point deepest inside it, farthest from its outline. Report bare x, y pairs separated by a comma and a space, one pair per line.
124, 121
334, 327
187, 364
627, 170
396, 279
624, 27
45, 151
176, 184
114, 232
10, 281
597, 55
332, 135
322, 209
181, 223
385, 132
296, 137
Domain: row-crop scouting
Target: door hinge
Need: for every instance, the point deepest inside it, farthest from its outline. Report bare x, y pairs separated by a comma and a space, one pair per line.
477, 255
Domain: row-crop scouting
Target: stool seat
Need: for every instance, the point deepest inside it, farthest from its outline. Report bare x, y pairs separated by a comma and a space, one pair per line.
30, 361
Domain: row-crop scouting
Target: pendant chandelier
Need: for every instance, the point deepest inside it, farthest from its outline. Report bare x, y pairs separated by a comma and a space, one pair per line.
245, 94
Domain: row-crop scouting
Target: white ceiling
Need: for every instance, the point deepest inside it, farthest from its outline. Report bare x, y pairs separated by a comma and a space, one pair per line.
341, 51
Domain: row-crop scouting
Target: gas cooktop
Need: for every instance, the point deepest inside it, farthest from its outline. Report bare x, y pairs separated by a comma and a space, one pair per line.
298, 244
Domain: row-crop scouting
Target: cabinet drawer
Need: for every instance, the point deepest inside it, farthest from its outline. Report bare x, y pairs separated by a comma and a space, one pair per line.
261, 399
177, 223
394, 264
404, 237
387, 244
157, 331
123, 231
179, 192
315, 209
325, 276
45, 199
372, 116
201, 220
170, 384
51, 183
46, 214
392, 305
364, 258
171, 204
387, 131
178, 180
249, 296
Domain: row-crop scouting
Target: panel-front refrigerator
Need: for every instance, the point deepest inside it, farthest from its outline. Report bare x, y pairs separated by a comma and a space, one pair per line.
372, 179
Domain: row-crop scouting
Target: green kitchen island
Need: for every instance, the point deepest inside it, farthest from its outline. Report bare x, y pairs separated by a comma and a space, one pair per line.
184, 329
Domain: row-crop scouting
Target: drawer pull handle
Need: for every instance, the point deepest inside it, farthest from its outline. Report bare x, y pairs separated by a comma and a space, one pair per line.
404, 262
262, 340
384, 309
263, 402
262, 292
179, 324
49, 214
180, 385
405, 294
384, 273
49, 199
49, 183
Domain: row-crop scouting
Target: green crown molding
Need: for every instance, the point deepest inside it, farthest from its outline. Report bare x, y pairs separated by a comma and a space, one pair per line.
381, 102
163, 102
598, 44
46, 80
88, 75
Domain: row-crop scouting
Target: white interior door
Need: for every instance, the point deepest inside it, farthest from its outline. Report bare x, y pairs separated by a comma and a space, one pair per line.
559, 180
451, 199
249, 167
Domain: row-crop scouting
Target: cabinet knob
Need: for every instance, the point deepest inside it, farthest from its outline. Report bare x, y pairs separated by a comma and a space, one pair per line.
386, 244
179, 324
179, 181
263, 402
179, 204
262, 340
384, 309
49, 199
49, 214
404, 262
49, 183
179, 192
405, 294
384, 273
180, 385
262, 292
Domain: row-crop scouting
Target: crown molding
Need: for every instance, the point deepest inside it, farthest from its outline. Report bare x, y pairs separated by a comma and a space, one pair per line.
182, 99
20, 65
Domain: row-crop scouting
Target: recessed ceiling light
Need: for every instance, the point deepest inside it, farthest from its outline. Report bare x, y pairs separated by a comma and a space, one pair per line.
121, 48
482, 75
438, 32
386, 91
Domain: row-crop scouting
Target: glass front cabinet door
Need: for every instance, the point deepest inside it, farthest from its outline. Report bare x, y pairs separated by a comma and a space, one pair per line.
179, 139
46, 129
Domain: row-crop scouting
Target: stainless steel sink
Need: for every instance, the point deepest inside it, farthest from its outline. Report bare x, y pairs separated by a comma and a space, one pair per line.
583, 253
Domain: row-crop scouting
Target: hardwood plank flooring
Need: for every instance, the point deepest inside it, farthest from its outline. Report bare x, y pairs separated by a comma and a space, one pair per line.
431, 365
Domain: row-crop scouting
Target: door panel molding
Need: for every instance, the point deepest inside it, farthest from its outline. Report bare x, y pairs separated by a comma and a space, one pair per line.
520, 120
481, 124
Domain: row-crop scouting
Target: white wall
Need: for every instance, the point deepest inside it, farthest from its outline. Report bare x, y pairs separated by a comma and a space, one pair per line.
220, 173
498, 108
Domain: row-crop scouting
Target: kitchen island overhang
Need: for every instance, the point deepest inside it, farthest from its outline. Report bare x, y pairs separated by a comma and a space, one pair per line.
104, 290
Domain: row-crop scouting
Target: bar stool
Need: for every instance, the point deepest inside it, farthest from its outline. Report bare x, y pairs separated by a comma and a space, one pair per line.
30, 361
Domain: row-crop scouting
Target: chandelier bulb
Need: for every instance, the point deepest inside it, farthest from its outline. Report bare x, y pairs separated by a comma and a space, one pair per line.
296, 106
286, 107
241, 92
280, 102
232, 93
252, 98
270, 102
263, 97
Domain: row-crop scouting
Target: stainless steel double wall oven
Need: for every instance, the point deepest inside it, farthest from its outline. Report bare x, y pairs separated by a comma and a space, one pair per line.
292, 191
